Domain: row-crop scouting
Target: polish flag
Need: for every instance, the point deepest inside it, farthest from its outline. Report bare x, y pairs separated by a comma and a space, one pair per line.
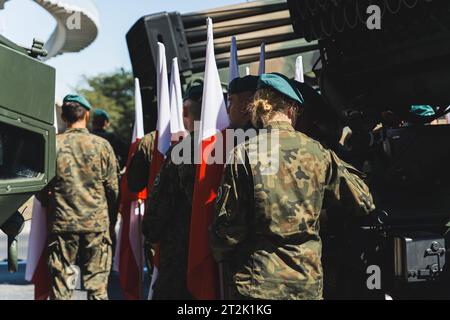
129, 253
176, 104
262, 60
37, 270
163, 134
203, 278
299, 70
234, 64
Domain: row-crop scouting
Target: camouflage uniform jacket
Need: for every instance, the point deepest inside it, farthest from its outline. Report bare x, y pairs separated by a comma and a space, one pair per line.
138, 171
119, 147
85, 185
167, 220
266, 227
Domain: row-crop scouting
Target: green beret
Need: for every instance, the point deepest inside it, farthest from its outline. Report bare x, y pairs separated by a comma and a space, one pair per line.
194, 92
244, 84
423, 111
78, 99
101, 113
281, 84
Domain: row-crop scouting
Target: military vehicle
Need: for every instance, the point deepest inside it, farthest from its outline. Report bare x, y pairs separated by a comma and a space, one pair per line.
27, 134
368, 79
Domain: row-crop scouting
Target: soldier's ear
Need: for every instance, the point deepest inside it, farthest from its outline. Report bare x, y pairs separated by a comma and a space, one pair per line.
86, 116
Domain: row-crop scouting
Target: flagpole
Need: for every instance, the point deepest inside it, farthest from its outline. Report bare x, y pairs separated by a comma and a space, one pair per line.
140, 266
234, 63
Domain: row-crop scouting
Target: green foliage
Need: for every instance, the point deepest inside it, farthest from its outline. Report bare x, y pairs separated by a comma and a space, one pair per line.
113, 92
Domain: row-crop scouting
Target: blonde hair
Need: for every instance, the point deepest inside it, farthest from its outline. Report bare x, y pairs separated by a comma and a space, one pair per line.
265, 104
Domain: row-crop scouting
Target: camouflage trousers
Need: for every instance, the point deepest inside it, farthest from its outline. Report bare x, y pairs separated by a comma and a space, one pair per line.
92, 252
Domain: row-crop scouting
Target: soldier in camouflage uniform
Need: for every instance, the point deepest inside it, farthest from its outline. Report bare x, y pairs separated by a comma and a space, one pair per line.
266, 228
168, 218
100, 125
85, 186
240, 98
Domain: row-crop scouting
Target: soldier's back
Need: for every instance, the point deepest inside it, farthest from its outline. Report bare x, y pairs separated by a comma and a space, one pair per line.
289, 176
82, 163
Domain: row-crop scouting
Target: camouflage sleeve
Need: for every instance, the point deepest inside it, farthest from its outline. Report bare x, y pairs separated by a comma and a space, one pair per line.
110, 177
138, 170
347, 188
233, 207
160, 203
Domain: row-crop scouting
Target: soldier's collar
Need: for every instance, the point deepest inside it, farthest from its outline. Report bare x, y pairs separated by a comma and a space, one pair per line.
280, 125
84, 130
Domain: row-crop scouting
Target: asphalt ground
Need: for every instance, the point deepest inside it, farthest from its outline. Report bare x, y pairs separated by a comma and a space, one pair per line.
15, 287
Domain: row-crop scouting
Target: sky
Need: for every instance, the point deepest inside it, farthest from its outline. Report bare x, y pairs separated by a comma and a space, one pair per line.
23, 20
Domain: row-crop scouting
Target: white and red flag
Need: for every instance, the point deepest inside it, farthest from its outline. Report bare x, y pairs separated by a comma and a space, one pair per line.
203, 278
37, 269
129, 253
163, 134
176, 104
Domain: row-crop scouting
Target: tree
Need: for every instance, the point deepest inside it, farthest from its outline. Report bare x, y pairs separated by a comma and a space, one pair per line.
113, 92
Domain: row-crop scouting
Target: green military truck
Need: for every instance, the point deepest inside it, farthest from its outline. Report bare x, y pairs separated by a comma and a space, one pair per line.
365, 79
27, 133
